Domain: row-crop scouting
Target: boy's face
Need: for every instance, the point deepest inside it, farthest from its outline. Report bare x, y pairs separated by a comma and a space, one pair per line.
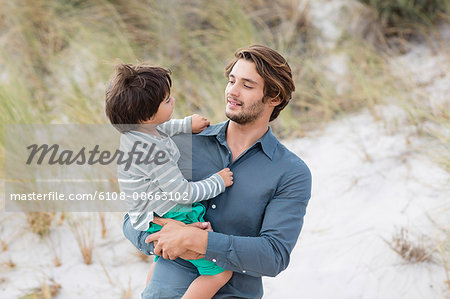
164, 112
244, 93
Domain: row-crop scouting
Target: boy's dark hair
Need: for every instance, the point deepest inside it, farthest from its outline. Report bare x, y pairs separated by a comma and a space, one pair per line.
275, 71
134, 94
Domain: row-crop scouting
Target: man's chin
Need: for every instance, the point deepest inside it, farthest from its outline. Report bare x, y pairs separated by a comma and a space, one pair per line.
239, 119
231, 116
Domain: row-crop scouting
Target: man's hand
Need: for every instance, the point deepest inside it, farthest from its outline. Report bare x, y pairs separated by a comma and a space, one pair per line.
202, 225
189, 254
177, 239
199, 123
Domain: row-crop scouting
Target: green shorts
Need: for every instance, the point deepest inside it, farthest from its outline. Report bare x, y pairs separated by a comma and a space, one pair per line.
189, 214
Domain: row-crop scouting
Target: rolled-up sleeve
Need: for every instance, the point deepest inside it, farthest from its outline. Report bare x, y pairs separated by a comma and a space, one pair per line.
268, 253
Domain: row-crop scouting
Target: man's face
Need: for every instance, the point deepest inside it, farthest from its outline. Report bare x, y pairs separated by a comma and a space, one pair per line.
244, 93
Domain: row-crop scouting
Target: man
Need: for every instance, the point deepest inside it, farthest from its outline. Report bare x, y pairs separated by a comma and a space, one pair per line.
258, 219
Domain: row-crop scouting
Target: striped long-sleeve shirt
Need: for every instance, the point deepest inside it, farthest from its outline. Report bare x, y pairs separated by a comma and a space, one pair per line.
144, 183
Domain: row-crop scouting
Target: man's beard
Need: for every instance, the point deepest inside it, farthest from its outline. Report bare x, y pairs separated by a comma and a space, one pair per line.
247, 115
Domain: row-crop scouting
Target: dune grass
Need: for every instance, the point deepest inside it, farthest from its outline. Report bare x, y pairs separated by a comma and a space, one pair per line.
410, 250
83, 232
406, 17
60, 55
44, 291
398, 14
40, 222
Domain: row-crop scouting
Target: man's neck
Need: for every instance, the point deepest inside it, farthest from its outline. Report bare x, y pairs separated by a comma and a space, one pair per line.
241, 137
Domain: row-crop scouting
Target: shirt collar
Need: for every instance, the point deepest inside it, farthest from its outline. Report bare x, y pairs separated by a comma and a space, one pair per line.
268, 141
215, 130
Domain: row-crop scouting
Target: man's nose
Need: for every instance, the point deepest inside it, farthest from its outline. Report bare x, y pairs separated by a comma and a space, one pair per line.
233, 90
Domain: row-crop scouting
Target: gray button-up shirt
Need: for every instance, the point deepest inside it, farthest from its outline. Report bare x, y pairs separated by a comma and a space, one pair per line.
258, 219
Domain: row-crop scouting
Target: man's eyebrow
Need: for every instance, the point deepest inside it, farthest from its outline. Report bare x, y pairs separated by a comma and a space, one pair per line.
244, 79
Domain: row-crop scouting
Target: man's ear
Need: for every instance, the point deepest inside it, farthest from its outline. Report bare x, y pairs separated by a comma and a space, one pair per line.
274, 102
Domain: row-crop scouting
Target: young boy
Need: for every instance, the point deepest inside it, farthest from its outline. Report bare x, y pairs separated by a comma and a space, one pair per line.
139, 105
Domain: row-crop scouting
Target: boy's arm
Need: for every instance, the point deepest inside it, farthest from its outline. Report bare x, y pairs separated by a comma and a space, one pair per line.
158, 187
147, 195
171, 181
176, 126
163, 175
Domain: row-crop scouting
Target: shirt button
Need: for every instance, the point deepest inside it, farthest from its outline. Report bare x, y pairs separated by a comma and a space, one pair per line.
243, 271
213, 206
214, 260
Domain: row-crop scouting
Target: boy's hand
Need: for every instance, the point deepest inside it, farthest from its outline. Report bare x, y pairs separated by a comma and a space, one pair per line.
199, 123
227, 176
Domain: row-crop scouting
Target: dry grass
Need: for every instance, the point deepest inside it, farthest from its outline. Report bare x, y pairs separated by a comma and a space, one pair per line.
57, 261
40, 222
88, 37
428, 111
444, 250
83, 235
106, 272
65, 82
443, 241
412, 251
55, 251
102, 216
45, 291
4, 245
62, 218
128, 292
390, 24
9, 264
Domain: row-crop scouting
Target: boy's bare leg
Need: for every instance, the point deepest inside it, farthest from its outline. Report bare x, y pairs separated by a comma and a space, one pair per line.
149, 275
206, 286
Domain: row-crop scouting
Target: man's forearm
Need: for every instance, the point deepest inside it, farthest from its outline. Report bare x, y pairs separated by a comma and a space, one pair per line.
255, 256
268, 253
